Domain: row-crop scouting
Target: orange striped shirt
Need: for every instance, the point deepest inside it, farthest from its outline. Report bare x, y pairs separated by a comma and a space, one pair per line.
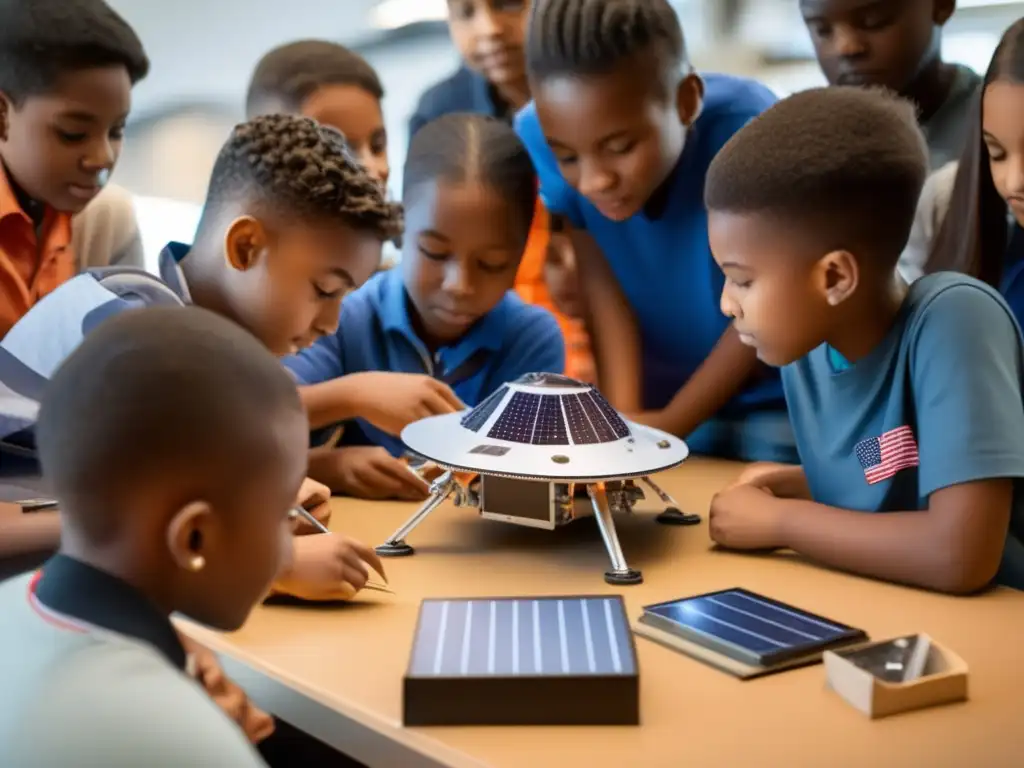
31, 266
532, 288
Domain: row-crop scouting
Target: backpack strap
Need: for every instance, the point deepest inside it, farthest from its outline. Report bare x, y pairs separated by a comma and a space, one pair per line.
131, 282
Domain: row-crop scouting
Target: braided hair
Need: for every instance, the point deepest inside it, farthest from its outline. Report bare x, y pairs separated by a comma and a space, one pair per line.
589, 37
295, 164
290, 74
461, 147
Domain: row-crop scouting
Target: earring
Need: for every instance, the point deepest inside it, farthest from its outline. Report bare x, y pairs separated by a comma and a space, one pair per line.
197, 563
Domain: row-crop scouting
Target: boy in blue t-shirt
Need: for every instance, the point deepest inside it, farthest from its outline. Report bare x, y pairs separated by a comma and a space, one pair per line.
905, 402
621, 131
447, 311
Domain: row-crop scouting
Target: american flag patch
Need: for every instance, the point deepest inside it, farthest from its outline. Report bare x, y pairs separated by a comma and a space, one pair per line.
882, 457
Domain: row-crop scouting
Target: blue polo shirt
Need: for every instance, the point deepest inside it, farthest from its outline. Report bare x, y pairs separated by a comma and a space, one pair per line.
375, 333
661, 256
464, 91
937, 403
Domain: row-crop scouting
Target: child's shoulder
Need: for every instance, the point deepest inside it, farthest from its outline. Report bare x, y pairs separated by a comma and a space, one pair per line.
731, 96
454, 93
944, 300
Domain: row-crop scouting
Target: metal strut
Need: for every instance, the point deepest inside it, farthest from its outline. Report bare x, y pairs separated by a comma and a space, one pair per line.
620, 573
440, 490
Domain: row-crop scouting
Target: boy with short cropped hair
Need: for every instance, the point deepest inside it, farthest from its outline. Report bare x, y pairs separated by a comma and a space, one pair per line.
331, 84
906, 403
291, 224
67, 68
897, 45
621, 131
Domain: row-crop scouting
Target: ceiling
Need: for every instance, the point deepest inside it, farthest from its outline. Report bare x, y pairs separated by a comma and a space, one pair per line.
203, 52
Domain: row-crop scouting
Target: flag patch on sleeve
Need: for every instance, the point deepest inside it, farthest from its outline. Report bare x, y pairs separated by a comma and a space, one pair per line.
884, 456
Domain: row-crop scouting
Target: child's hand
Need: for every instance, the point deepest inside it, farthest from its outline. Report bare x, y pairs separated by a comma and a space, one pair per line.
328, 567
370, 472
315, 498
256, 723
746, 517
392, 401
787, 481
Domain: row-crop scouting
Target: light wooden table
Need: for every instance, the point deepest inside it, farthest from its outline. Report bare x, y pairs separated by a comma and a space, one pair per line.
337, 671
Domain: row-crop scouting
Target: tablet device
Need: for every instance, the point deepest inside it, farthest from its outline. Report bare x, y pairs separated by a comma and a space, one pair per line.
750, 628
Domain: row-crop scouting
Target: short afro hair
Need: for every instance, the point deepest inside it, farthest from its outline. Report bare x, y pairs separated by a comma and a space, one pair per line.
290, 74
294, 165
845, 163
40, 40
462, 146
590, 37
163, 396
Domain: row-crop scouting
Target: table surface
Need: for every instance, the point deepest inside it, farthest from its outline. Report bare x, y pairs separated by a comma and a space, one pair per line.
349, 660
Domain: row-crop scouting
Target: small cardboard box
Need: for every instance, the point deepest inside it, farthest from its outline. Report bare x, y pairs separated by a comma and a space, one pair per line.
944, 681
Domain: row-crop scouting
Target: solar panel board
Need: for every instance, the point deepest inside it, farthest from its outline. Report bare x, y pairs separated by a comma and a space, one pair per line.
602, 406
476, 418
579, 425
550, 426
516, 422
551, 660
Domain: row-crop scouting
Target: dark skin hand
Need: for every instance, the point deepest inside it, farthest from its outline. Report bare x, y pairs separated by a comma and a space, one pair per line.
954, 546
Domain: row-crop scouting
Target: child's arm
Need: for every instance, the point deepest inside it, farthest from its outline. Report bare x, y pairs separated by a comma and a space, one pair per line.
722, 374
612, 326
25, 534
366, 472
954, 546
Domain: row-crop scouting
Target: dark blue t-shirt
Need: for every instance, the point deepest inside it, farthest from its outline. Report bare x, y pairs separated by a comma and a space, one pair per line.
663, 260
464, 91
938, 403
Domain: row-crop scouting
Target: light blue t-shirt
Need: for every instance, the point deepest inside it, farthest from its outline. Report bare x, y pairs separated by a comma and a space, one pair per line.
938, 403
375, 333
661, 256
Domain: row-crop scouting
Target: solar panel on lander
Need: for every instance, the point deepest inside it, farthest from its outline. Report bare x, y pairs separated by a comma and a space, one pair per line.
522, 661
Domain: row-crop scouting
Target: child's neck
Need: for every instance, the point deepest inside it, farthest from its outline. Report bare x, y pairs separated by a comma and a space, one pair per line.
204, 281
515, 95
868, 323
931, 88
121, 563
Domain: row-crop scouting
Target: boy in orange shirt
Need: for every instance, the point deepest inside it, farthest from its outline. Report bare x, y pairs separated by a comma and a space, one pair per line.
67, 68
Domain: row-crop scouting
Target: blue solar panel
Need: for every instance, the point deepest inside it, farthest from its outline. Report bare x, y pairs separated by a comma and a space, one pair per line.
529, 636
615, 422
517, 420
751, 627
579, 425
550, 426
476, 418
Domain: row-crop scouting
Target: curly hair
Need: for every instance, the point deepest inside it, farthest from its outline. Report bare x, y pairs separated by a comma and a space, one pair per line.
589, 37
40, 40
462, 146
850, 168
295, 164
288, 75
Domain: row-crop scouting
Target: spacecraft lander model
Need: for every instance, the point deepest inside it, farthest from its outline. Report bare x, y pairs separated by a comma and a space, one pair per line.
539, 452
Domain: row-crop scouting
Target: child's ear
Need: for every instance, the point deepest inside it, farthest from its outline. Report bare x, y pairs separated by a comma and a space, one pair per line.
245, 243
837, 277
690, 98
942, 11
188, 536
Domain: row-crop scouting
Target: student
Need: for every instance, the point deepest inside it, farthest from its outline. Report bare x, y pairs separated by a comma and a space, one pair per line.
622, 131
491, 80
897, 45
904, 402
970, 213
67, 68
469, 192
196, 524
291, 223
331, 84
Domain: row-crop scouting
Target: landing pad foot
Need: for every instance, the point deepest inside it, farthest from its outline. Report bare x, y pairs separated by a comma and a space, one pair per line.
394, 549
675, 516
624, 578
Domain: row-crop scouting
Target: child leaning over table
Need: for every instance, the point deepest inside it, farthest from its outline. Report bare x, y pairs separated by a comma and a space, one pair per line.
906, 403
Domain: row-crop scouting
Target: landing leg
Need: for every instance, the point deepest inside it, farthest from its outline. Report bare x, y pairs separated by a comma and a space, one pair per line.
620, 572
672, 514
440, 490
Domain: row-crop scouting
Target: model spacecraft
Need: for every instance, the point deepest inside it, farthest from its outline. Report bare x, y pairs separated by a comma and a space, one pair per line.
543, 451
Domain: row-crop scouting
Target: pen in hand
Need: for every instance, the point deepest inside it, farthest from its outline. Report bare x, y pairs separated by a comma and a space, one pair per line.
297, 512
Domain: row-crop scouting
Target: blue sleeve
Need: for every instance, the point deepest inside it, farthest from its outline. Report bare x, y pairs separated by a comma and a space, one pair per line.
558, 197
535, 345
966, 373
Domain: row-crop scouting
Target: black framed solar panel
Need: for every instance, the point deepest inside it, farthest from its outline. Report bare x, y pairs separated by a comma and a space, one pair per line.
550, 426
579, 425
550, 660
517, 420
749, 627
476, 418
615, 422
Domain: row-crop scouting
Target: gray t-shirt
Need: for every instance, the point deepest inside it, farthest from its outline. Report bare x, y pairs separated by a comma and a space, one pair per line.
946, 130
938, 403
72, 694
